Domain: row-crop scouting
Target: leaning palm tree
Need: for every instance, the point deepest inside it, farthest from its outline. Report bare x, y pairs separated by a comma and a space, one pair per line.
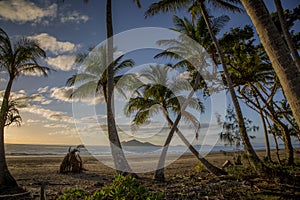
200, 6
19, 59
287, 35
282, 62
163, 95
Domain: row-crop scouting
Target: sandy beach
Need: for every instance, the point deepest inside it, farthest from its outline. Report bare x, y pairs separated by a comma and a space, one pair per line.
31, 172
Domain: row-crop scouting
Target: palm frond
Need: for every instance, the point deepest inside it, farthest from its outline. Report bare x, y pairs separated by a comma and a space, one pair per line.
166, 6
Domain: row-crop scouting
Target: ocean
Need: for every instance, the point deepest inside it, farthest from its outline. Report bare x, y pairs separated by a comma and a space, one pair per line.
61, 150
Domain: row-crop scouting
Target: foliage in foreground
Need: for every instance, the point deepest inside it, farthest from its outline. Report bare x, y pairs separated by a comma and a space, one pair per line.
121, 188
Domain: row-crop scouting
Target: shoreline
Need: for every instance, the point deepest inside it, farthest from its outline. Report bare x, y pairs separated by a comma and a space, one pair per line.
30, 172
204, 153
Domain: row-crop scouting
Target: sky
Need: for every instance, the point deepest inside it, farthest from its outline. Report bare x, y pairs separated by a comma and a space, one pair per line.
65, 29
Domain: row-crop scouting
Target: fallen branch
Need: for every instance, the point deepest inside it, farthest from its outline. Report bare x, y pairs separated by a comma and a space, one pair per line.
13, 195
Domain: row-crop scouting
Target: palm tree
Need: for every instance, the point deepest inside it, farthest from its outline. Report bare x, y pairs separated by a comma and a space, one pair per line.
286, 33
167, 5
284, 66
120, 161
161, 94
93, 80
19, 59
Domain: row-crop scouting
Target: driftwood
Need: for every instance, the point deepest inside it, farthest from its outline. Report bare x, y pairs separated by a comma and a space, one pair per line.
226, 164
72, 162
19, 195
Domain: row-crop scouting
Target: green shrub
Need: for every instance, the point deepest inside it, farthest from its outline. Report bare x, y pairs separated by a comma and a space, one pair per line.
73, 194
124, 188
199, 167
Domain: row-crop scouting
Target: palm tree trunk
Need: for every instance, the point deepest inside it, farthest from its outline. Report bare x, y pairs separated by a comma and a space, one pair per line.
6, 179
213, 169
160, 170
120, 161
159, 173
278, 53
255, 161
286, 33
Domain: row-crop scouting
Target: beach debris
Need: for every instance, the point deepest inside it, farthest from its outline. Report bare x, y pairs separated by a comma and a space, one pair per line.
72, 162
226, 164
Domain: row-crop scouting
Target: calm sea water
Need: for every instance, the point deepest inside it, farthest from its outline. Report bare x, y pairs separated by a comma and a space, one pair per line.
61, 150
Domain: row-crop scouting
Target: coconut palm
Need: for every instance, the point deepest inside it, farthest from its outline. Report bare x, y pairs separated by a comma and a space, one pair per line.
94, 80
120, 161
286, 33
200, 6
284, 66
161, 94
18, 59
93, 77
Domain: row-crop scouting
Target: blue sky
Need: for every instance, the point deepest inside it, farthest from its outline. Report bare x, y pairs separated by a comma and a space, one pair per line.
65, 29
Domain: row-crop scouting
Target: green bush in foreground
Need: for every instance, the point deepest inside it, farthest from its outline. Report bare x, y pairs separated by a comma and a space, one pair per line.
73, 194
122, 188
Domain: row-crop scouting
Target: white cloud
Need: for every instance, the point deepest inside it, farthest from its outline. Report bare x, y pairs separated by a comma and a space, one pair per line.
64, 93
33, 121
185, 75
43, 89
50, 43
70, 132
56, 126
48, 114
2, 80
74, 16
22, 11
64, 62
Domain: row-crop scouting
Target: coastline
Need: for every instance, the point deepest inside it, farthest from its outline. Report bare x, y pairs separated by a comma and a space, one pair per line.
30, 171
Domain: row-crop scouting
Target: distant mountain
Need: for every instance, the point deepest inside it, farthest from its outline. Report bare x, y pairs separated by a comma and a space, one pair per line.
137, 143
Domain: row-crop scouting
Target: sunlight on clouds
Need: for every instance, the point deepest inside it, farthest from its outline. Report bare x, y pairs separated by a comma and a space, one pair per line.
22, 11
64, 93
48, 114
64, 62
50, 43
43, 89
74, 16
55, 126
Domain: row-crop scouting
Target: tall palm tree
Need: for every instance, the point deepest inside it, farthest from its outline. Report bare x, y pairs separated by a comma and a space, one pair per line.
284, 66
93, 80
120, 161
286, 33
174, 5
161, 94
18, 59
